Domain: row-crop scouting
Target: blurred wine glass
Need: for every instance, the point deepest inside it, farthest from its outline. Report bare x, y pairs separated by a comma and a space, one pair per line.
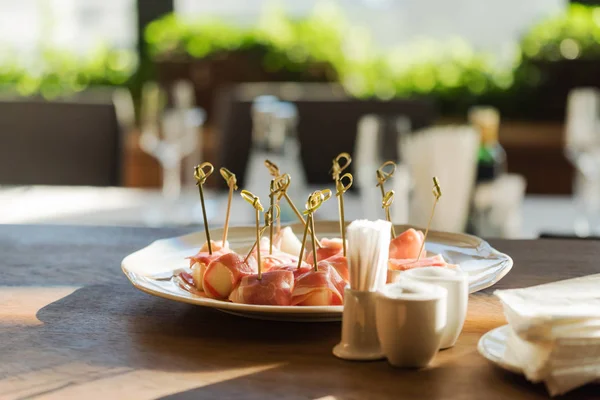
582, 148
169, 135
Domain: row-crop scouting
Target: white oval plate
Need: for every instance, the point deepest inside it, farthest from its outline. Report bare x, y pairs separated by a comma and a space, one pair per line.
151, 268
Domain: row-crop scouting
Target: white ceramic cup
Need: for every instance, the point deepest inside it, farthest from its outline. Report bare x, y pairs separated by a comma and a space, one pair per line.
411, 317
456, 282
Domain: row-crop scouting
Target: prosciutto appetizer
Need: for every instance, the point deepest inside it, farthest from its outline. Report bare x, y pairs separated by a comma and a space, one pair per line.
324, 287
225, 272
407, 245
278, 258
200, 261
403, 265
340, 264
330, 248
273, 289
293, 268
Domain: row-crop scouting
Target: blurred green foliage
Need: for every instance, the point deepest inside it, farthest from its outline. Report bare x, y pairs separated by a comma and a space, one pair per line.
58, 73
573, 34
450, 71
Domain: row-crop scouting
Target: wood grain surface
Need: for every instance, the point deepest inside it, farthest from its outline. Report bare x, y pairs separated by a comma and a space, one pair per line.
71, 326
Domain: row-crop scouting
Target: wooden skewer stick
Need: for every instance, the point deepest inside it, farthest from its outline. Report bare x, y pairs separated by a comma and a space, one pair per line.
337, 169
340, 190
232, 183
387, 201
437, 193
282, 183
271, 205
201, 173
255, 201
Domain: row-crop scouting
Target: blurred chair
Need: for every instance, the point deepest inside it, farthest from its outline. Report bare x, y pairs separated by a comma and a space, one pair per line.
450, 153
59, 142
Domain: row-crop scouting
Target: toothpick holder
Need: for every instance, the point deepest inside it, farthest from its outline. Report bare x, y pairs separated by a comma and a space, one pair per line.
359, 329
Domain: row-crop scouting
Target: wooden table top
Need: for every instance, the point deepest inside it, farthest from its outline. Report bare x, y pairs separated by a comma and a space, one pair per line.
71, 326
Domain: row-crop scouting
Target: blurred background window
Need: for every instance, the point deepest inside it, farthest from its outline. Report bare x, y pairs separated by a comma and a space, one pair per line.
78, 26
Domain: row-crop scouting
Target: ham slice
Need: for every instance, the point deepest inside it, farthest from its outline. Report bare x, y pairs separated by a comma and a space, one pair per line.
225, 272
407, 244
324, 287
199, 262
330, 248
396, 266
293, 268
274, 289
340, 264
404, 264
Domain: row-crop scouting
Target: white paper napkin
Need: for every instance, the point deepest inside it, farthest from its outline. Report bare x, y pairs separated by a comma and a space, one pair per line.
555, 332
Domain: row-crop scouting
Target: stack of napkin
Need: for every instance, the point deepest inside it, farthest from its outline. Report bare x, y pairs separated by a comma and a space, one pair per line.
555, 332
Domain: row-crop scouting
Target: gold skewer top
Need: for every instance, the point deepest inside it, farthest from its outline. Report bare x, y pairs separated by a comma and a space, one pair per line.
252, 199
281, 185
229, 177
316, 199
437, 190
338, 167
341, 188
202, 172
388, 199
383, 173
273, 168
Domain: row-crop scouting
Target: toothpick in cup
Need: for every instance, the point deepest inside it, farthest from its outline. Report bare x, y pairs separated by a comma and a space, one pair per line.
232, 183
201, 173
437, 193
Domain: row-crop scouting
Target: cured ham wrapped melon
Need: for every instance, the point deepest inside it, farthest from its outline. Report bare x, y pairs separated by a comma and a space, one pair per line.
407, 245
324, 287
330, 248
273, 289
200, 261
225, 272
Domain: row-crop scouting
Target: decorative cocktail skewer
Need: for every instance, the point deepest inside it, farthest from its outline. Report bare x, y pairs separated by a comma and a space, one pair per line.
282, 183
273, 168
388, 200
314, 202
232, 183
337, 169
255, 201
382, 177
437, 193
201, 173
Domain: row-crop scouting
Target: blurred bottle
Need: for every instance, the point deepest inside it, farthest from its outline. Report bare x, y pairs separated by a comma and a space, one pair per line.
491, 158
